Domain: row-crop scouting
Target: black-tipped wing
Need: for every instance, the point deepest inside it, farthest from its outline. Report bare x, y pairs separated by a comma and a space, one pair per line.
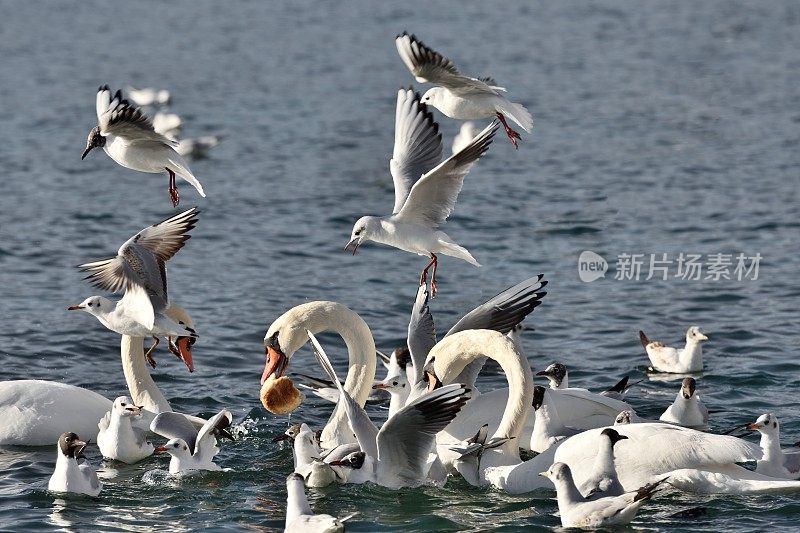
406, 439
116, 116
421, 332
429, 66
505, 310
417, 144
434, 196
175, 426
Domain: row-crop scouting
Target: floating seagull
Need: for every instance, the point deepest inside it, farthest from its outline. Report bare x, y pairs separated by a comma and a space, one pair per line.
128, 137
459, 96
425, 190
148, 96
73, 473
776, 462
299, 516
397, 455
140, 268
191, 449
687, 410
603, 481
467, 132
118, 438
577, 511
671, 360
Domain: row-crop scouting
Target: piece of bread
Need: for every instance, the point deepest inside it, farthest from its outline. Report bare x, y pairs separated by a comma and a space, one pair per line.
280, 396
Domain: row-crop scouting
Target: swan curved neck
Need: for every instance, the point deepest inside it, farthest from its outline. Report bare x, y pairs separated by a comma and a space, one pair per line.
143, 389
337, 318
456, 351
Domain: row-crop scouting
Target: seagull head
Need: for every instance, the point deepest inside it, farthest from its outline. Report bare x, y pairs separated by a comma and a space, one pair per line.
176, 448
766, 423
123, 406
353, 460
94, 305
396, 383
289, 434
363, 230
95, 140
70, 444
688, 387
695, 335
555, 373
558, 471
432, 96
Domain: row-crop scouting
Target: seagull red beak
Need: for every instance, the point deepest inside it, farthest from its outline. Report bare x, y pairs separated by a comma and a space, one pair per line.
380, 386
160, 449
75, 308
754, 426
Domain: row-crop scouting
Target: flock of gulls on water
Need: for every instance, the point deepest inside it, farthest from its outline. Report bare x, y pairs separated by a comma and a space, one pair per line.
603, 460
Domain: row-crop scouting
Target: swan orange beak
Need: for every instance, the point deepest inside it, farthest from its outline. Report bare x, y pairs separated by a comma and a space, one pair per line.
276, 363
185, 351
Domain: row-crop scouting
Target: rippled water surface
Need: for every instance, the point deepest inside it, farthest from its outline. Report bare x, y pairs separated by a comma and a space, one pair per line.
661, 127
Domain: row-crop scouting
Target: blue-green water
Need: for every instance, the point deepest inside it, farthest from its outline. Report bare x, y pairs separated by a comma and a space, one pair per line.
660, 127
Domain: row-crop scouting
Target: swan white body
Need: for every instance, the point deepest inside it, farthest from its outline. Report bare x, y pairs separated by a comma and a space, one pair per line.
118, 439
654, 449
36, 413
671, 360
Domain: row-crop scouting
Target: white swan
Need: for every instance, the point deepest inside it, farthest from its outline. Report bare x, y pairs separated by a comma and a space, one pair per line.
288, 334
649, 451
654, 449
37, 412
449, 358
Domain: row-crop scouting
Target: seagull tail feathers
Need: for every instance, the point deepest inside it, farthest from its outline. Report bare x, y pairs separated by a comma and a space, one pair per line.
180, 168
517, 113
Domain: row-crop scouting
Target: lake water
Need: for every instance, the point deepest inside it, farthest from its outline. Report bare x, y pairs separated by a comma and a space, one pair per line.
660, 128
